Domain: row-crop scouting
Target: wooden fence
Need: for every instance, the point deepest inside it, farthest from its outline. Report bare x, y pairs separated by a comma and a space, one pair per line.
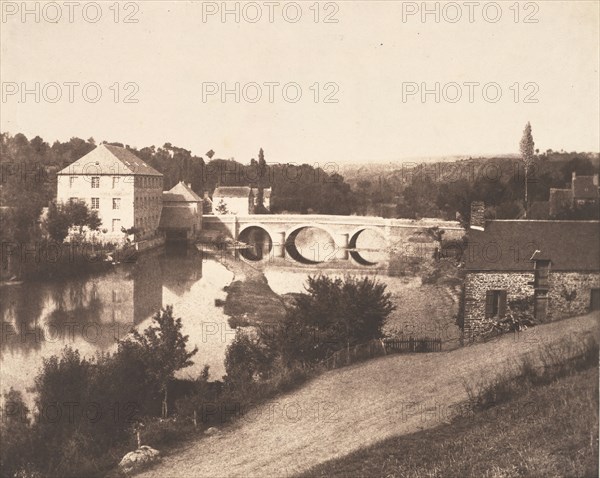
377, 348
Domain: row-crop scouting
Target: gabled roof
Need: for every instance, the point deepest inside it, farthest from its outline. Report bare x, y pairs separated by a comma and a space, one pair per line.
507, 245
181, 192
232, 192
110, 160
584, 188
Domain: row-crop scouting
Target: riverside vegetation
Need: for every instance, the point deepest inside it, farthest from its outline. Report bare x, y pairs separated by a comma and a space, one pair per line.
89, 412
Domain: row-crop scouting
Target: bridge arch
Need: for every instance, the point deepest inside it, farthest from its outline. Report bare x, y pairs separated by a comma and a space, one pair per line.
353, 240
327, 250
258, 239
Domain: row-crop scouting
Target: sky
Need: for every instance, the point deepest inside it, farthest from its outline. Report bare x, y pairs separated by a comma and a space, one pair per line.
317, 82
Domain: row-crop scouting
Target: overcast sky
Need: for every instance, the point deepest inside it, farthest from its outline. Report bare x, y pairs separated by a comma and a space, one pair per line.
363, 63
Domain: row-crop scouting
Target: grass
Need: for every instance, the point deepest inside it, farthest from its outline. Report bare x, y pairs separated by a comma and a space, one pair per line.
544, 422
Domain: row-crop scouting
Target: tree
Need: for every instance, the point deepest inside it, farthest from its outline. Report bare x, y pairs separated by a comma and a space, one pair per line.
222, 208
526, 147
61, 217
15, 434
262, 171
162, 348
333, 314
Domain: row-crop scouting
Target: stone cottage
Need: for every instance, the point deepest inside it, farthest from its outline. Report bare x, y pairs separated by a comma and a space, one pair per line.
554, 266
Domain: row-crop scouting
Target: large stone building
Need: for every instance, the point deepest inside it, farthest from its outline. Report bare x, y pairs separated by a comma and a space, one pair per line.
123, 189
181, 217
551, 266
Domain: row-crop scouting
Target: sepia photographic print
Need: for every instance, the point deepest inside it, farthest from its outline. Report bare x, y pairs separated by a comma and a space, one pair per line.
299, 239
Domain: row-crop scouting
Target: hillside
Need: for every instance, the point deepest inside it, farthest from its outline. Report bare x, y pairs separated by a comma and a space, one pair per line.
348, 409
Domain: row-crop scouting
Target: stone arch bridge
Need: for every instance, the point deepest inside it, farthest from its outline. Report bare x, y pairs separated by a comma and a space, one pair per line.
281, 230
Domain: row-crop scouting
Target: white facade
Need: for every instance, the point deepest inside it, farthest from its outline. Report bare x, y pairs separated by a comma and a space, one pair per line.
124, 191
238, 200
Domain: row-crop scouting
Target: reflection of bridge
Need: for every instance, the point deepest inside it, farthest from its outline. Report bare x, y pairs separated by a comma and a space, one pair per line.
281, 231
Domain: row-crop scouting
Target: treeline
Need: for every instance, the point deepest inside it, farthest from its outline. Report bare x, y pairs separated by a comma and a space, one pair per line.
446, 189
29, 170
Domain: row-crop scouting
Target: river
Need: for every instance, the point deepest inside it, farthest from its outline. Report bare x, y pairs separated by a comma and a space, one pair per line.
40, 318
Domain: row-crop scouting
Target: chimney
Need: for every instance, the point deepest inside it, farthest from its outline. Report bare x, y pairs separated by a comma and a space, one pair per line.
595, 180
573, 176
205, 194
477, 215
189, 185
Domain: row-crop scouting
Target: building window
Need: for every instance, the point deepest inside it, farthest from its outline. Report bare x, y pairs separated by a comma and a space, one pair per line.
116, 203
495, 303
95, 182
115, 181
95, 203
72, 180
116, 225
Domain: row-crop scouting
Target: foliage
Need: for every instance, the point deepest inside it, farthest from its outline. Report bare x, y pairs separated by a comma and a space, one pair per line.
87, 408
519, 316
333, 314
62, 217
221, 208
247, 359
162, 349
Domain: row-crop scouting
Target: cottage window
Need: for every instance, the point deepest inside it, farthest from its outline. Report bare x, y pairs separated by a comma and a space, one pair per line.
95, 182
72, 180
495, 303
116, 203
95, 203
116, 225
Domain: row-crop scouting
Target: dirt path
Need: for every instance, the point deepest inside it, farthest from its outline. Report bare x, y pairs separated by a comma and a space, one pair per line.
350, 408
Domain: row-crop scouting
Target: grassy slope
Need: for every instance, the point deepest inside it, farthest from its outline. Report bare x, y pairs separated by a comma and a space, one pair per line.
552, 431
346, 410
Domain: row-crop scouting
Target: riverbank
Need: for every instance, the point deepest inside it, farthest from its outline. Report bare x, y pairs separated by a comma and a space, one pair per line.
250, 300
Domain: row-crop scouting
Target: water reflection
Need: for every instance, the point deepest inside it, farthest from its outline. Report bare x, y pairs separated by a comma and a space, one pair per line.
40, 318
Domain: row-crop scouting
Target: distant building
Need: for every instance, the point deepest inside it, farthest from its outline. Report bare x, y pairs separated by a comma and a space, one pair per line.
181, 217
583, 191
554, 266
122, 188
238, 200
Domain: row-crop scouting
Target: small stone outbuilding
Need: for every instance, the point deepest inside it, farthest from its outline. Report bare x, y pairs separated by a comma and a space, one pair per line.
554, 266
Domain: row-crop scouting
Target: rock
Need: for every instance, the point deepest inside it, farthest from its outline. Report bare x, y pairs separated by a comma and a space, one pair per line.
212, 431
141, 456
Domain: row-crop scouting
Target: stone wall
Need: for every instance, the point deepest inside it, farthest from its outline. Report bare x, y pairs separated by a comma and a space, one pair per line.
569, 294
476, 286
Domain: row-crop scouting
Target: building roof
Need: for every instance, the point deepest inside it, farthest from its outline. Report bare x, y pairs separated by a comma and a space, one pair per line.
584, 188
181, 192
110, 160
232, 192
508, 245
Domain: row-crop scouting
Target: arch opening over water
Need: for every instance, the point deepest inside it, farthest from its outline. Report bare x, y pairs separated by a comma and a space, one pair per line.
367, 246
309, 244
258, 241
